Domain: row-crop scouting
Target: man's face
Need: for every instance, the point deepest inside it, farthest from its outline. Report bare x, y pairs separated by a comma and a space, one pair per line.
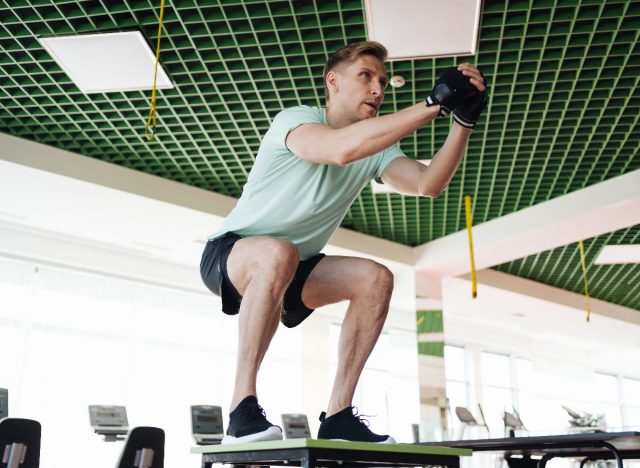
360, 88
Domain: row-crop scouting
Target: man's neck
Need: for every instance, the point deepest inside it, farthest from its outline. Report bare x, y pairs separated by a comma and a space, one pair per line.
335, 119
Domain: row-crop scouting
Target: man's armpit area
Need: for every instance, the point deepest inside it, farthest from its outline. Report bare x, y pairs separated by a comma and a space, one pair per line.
295, 132
291, 130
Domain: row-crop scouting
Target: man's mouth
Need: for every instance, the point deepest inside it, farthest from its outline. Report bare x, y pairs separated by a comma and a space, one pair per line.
373, 105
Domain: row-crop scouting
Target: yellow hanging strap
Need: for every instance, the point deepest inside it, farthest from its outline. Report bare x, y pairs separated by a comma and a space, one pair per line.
152, 109
474, 282
584, 272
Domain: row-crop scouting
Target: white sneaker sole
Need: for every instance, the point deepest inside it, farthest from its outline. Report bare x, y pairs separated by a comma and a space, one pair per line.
272, 433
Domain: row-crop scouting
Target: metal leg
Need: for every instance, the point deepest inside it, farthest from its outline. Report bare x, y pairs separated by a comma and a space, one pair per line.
307, 462
543, 461
615, 452
585, 460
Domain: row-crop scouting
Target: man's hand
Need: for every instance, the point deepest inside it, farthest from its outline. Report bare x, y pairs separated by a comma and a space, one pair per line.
452, 87
468, 111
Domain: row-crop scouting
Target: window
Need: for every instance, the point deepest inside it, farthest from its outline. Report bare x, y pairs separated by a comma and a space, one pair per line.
69, 339
497, 389
608, 399
457, 382
631, 398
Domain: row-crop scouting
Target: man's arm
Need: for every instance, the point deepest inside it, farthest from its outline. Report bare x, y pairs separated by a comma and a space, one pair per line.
410, 177
413, 178
325, 145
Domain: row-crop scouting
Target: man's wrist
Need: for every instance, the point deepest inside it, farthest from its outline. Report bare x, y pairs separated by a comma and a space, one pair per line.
461, 128
434, 110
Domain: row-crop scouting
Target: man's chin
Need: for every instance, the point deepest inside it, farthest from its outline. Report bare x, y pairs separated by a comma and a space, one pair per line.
370, 114
358, 116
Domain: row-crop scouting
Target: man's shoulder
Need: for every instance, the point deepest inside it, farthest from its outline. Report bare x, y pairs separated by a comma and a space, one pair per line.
301, 111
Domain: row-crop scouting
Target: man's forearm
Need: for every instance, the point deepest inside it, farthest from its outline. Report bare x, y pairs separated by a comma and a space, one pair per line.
367, 137
444, 164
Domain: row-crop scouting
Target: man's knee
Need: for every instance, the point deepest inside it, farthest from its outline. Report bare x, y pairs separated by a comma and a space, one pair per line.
380, 280
279, 259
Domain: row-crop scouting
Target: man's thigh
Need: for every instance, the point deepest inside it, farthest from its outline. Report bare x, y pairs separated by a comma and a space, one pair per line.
336, 279
250, 253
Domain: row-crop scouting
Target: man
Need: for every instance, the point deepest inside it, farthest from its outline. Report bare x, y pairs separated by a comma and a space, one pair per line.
265, 262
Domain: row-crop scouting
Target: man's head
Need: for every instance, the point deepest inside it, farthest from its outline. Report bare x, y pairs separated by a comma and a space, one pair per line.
355, 79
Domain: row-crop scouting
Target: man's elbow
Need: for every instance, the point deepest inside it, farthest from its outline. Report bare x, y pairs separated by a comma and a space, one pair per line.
343, 158
345, 150
431, 192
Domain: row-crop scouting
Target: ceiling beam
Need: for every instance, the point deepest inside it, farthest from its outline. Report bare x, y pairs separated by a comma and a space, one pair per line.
539, 291
595, 210
66, 163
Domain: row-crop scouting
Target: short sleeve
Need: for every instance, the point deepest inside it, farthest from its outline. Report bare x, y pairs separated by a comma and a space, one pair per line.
290, 119
385, 157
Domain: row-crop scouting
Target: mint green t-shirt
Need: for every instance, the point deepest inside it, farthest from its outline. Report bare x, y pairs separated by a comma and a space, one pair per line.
289, 198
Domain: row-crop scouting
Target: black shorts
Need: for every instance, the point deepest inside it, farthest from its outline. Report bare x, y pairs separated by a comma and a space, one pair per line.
213, 269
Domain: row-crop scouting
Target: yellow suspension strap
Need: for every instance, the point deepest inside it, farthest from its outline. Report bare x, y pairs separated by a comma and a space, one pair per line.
152, 109
474, 282
584, 272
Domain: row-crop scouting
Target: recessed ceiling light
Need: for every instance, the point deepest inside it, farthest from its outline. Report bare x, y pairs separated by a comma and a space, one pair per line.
397, 81
400, 26
384, 188
100, 63
610, 254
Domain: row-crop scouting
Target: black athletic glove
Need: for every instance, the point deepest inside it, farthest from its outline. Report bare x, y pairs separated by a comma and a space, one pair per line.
468, 111
450, 90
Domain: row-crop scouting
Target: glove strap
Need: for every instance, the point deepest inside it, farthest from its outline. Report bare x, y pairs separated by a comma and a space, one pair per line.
432, 102
463, 122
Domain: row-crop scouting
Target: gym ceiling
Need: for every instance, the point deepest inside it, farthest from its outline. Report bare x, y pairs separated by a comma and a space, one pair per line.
563, 113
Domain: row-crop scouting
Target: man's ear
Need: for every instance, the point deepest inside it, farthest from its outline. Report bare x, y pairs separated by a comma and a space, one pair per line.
331, 81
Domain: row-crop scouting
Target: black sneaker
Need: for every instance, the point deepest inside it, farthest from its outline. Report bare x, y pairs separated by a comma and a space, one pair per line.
247, 423
349, 425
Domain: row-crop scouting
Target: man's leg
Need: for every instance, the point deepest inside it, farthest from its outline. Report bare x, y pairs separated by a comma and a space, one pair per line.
367, 285
260, 268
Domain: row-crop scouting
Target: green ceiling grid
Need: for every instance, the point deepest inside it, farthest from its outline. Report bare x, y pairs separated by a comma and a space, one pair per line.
578, 126
203, 101
567, 101
529, 99
563, 112
39, 117
489, 115
628, 132
171, 157
561, 268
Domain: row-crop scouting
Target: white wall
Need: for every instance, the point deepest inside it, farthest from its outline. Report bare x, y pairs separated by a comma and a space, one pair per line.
565, 350
71, 337
505, 321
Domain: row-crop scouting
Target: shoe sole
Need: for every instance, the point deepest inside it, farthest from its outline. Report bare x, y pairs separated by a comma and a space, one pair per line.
272, 433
